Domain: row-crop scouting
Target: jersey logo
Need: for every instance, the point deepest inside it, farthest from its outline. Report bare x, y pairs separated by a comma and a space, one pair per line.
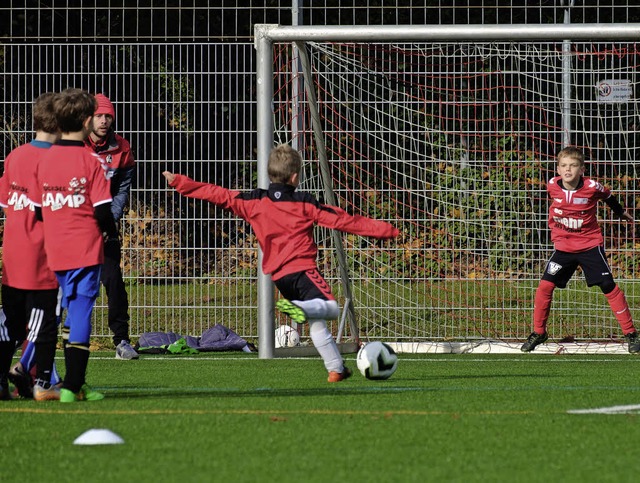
596, 185
78, 185
580, 201
553, 268
569, 223
558, 200
56, 198
57, 201
20, 201
277, 195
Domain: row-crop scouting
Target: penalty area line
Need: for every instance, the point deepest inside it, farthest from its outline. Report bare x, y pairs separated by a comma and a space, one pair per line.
628, 409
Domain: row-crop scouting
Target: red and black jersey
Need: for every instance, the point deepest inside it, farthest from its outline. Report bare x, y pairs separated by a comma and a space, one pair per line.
572, 214
24, 259
283, 220
71, 182
118, 157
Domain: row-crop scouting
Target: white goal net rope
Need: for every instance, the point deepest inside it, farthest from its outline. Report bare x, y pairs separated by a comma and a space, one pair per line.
454, 143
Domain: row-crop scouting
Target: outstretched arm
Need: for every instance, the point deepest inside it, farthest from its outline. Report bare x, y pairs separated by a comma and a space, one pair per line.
212, 193
169, 176
338, 219
618, 209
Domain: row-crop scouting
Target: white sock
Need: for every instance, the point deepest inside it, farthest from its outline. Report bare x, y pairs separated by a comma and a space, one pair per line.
319, 308
326, 345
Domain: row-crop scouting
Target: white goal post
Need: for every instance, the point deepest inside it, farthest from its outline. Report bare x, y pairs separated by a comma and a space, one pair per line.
514, 93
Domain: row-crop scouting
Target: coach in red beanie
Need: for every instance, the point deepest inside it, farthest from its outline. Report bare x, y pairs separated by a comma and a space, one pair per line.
104, 106
119, 162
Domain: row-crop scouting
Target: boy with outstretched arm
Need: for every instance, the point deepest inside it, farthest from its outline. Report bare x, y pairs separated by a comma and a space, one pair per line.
578, 241
283, 221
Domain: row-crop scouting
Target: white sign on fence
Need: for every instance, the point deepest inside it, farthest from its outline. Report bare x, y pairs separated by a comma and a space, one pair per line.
614, 90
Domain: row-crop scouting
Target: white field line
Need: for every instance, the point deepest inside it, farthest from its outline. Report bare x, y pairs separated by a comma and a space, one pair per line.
629, 409
499, 347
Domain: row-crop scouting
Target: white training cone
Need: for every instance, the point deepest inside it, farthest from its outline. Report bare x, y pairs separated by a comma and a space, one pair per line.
98, 436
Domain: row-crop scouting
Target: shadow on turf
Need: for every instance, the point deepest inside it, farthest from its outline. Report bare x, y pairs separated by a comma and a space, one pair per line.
159, 392
376, 387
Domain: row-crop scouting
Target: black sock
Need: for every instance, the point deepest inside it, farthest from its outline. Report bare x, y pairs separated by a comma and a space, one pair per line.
43, 358
76, 357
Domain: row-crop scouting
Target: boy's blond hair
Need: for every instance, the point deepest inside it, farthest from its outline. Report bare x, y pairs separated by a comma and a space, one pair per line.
571, 152
44, 116
72, 107
284, 161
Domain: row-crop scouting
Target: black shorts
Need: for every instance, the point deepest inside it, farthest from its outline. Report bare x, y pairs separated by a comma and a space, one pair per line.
562, 265
33, 309
306, 285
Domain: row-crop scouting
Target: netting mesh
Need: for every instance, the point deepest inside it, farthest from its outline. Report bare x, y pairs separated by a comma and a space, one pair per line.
454, 143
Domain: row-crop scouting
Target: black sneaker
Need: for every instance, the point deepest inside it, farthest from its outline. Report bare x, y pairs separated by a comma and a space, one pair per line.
634, 342
533, 341
22, 380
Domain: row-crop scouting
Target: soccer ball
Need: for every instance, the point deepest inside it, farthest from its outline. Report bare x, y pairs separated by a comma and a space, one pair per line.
376, 360
287, 336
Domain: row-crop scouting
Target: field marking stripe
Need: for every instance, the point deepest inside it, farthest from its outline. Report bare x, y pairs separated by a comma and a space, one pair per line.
628, 409
429, 360
260, 412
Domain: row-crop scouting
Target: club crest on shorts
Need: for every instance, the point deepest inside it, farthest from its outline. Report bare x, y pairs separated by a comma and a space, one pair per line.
553, 268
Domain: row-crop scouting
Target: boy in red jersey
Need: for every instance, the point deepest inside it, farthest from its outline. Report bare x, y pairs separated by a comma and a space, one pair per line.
116, 151
29, 288
283, 220
75, 201
578, 241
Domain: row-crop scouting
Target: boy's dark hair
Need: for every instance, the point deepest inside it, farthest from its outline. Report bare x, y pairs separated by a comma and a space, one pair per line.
44, 115
72, 107
572, 152
283, 162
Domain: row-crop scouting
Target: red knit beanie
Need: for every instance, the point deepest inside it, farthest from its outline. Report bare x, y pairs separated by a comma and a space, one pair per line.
104, 106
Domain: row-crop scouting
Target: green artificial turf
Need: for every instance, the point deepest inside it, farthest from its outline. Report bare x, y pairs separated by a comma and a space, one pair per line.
233, 417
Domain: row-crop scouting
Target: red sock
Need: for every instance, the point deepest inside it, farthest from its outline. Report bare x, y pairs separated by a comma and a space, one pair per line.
542, 306
620, 307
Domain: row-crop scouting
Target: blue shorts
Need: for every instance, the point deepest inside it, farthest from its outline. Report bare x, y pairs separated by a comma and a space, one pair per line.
79, 281
80, 288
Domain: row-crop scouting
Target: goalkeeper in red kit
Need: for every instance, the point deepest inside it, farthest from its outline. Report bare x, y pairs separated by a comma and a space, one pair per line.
578, 241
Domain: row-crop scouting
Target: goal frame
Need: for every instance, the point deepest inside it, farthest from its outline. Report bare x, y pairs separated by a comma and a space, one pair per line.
266, 35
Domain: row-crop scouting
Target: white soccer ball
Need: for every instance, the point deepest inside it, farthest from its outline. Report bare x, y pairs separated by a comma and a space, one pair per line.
377, 360
287, 336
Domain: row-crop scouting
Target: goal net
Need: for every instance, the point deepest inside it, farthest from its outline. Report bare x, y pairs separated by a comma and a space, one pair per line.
453, 143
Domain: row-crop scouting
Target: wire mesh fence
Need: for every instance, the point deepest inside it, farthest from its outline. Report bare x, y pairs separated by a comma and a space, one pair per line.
182, 79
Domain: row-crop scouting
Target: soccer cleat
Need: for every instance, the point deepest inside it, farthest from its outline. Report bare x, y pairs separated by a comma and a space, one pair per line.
125, 352
42, 394
292, 310
533, 341
84, 394
89, 394
22, 380
67, 396
339, 376
634, 342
